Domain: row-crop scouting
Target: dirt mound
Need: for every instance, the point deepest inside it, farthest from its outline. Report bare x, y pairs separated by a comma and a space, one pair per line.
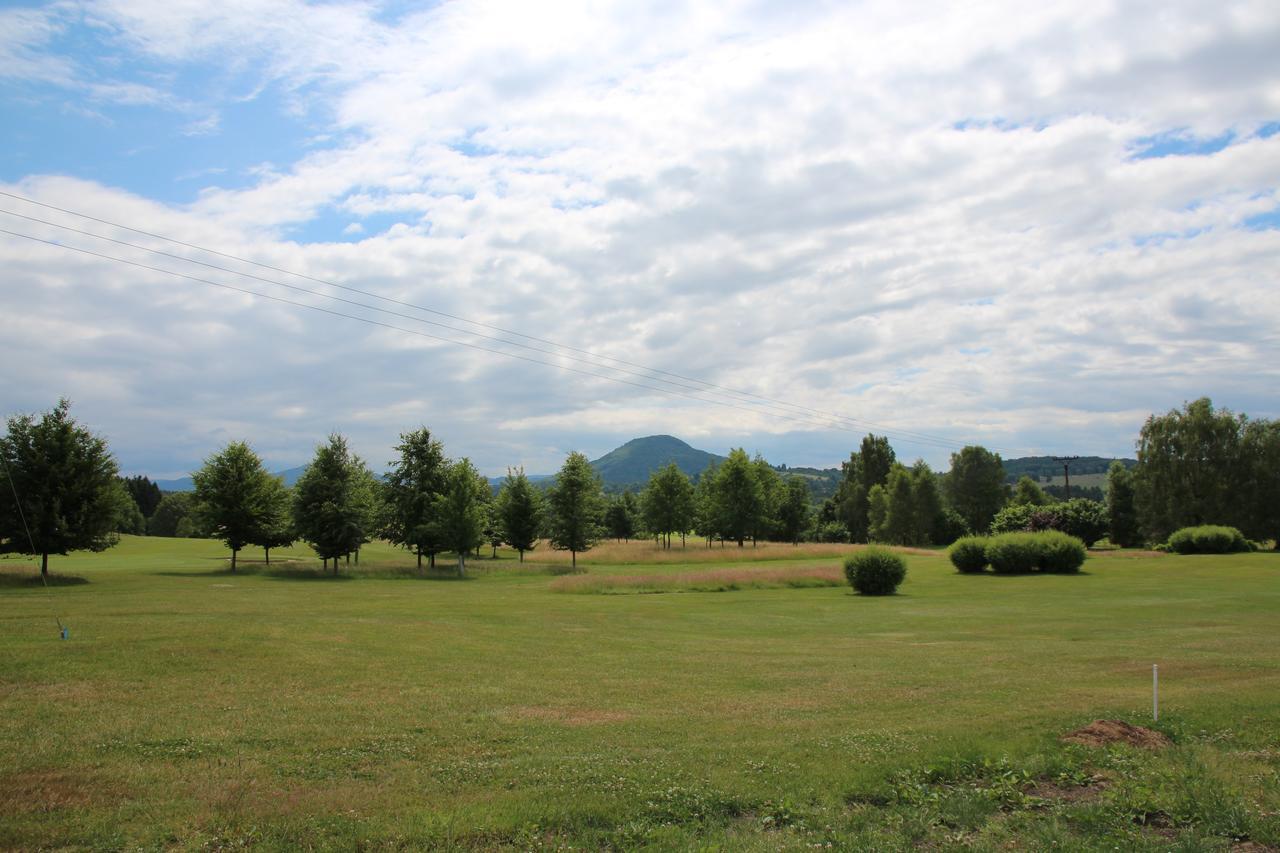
1103, 732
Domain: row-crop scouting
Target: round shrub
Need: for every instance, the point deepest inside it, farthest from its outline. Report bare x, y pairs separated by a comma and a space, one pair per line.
1013, 553
875, 571
1208, 539
1060, 553
969, 554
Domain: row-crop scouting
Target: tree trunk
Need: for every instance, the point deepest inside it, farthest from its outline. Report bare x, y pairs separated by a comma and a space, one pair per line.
44, 565
419, 560
324, 564
573, 556
495, 552
462, 562
234, 551
266, 553
357, 556
522, 555
431, 561
741, 542
348, 558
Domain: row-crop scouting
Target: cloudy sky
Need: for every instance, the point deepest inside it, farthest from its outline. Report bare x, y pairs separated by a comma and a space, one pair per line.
997, 223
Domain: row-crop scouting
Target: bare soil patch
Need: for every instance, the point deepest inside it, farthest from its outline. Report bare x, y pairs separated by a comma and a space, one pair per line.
1106, 732
1057, 793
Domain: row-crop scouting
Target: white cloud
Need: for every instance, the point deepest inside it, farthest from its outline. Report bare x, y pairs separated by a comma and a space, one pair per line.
930, 219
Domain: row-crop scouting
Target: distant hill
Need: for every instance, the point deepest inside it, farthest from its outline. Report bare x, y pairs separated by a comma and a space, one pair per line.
1046, 469
184, 484
633, 462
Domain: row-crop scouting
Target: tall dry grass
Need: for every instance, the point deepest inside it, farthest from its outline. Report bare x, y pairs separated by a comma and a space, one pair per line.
707, 580
646, 551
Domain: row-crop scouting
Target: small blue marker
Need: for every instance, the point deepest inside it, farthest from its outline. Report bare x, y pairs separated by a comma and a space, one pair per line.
64, 633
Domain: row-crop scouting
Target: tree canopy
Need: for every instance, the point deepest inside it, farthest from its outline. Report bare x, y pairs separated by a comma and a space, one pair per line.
575, 505
232, 489
62, 493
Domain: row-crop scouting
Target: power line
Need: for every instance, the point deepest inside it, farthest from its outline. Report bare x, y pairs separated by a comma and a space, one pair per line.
772, 410
416, 332
908, 435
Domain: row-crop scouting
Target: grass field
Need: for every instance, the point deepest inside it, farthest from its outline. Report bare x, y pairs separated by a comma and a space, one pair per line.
191, 708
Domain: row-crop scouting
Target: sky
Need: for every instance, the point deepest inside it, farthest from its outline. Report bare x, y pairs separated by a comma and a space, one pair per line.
778, 226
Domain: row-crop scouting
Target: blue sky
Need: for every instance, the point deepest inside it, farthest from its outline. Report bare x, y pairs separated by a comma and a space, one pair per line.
1024, 228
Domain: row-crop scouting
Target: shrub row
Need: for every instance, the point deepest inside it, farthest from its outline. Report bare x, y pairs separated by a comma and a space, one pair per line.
1208, 539
1017, 553
875, 571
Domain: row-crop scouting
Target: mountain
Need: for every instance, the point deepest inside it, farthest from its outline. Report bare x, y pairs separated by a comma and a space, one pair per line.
184, 484
633, 462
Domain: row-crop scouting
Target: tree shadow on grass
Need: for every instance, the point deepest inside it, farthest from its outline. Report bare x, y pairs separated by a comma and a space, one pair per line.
1035, 574
211, 573
24, 580
355, 573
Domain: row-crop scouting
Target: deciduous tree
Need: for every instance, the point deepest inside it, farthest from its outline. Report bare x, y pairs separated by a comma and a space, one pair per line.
232, 490
62, 494
520, 509
459, 512
415, 480
975, 486
331, 504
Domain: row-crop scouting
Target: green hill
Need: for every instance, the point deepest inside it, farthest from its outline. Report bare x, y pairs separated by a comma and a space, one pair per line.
633, 462
1046, 469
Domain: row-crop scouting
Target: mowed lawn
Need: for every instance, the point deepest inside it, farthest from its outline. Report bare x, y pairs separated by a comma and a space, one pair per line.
279, 708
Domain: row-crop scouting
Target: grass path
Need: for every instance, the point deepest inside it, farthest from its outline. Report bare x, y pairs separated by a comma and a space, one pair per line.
193, 707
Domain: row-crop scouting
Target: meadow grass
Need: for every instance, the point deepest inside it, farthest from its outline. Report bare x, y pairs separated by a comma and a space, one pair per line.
277, 708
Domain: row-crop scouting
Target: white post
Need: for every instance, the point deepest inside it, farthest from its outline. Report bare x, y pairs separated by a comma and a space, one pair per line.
1155, 692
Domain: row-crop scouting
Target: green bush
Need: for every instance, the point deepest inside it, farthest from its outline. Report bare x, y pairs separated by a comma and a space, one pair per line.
1013, 553
1208, 539
1048, 550
875, 571
1060, 553
1012, 518
969, 554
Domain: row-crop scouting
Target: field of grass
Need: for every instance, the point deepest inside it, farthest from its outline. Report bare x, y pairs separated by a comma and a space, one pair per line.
277, 708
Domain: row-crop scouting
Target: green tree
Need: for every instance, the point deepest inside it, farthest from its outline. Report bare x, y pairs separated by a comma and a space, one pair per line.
1189, 470
145, 493
1261, 450
275, 527
621, 516
667, 503
520, 507
129, 517
231, 489
931, 523
867, 468
975, 486
575, 505
737, 497
1028, 492
62, 494
415, 480
174, 516
1122, 514
331, 504
892, 512
770, 499
794, 513
705, 507
459, 511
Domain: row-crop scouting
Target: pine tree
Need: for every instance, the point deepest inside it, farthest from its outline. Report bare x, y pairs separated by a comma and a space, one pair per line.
575, 507
331, 503
459, 512
415, 480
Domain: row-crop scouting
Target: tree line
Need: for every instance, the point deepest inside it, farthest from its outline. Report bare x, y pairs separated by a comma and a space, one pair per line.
1195, 466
